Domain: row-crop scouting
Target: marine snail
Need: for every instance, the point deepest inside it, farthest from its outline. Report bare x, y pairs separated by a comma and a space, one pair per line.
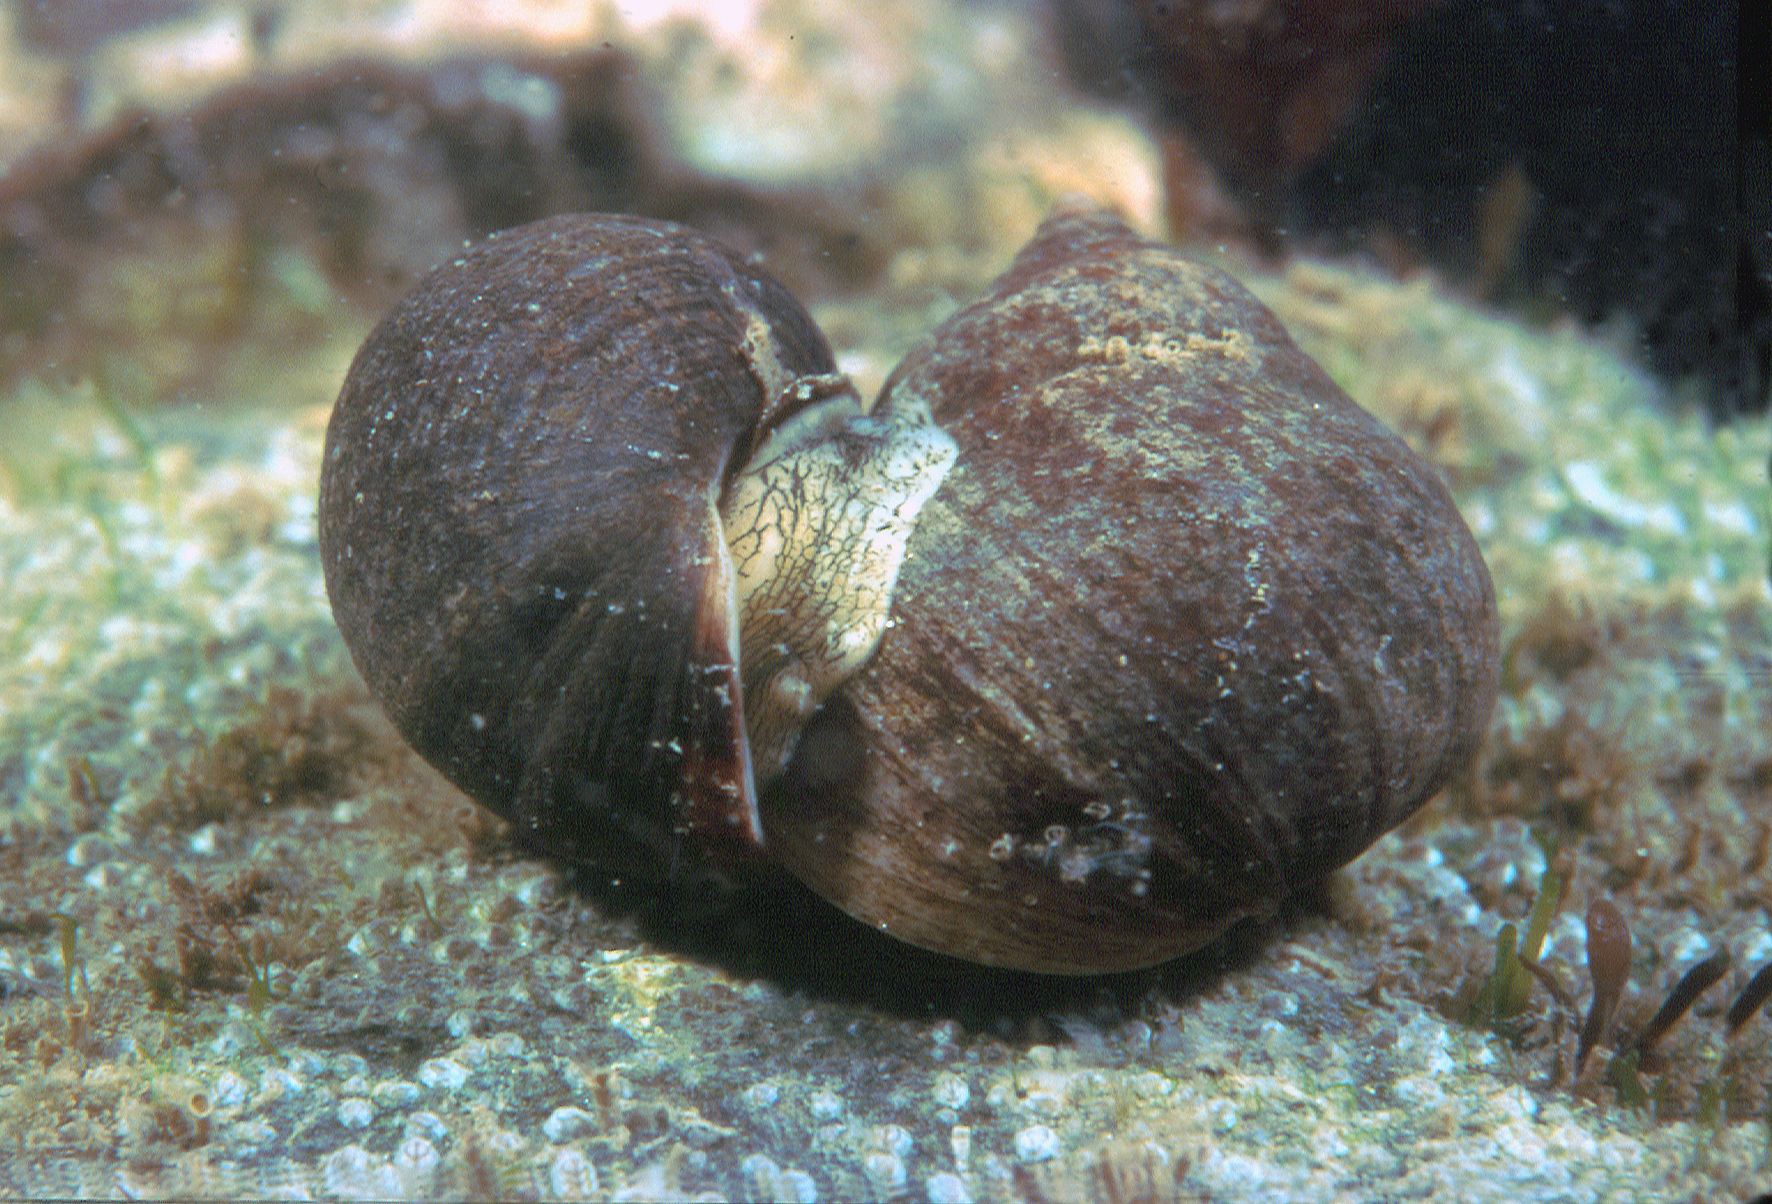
1112, 621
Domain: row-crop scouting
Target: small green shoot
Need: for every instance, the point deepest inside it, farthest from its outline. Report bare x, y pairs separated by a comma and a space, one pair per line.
1622, 1074
1502, 999
258, 991
1486, 1009
1711, 1112
1544, 909
425, 906
108, 398
69, 933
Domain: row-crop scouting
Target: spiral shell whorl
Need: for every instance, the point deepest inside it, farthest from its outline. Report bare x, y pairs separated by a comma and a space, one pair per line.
521, 523
1207, 627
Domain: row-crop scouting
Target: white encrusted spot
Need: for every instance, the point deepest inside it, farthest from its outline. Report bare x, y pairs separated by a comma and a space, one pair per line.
230, 1091
566, 1123
415, 1164
1036, 1143
538, 890
960, 1139
1421, 1093
415, 1154
825, 1104
885, 1171
947, 1188
951, 1091
394, 1093
572, 1176
105, 876
444, 1074
768, 1181
350, 1065
355, 1113
309, 1064
506, 1141
427, 1125
896, 1140
1587, 482
89, 849
1424, 1039
1689, 947
276, 1083
800, 1189
352, 1173
253, 1131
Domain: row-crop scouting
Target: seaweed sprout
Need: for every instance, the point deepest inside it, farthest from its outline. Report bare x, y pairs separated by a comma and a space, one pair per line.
1608, 963
1752, 998
1692, 984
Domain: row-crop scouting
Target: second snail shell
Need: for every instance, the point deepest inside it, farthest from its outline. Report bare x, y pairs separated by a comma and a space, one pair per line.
1113, 620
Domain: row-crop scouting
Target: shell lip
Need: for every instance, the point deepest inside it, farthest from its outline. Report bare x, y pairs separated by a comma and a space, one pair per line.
719, 786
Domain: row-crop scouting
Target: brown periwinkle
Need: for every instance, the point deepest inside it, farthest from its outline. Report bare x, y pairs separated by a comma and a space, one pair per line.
601, 525
1112, 621
1183, 630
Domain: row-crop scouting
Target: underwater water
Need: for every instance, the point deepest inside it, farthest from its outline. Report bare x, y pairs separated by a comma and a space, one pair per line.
253, 945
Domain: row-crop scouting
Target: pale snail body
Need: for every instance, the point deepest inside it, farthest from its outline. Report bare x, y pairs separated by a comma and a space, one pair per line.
1175, 627
832, 509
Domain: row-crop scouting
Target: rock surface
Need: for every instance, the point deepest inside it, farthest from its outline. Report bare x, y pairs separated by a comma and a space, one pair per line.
250, 946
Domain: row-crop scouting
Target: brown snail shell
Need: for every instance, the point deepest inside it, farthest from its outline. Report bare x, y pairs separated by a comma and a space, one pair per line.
1181, 629
561, 489
1184, 629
